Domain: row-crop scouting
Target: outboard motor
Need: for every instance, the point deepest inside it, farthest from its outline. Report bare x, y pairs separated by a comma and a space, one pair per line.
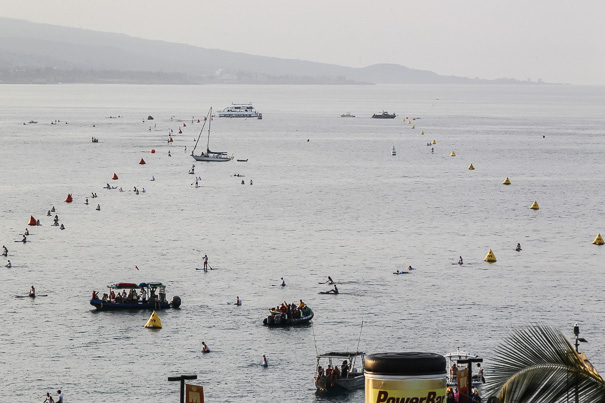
176, 301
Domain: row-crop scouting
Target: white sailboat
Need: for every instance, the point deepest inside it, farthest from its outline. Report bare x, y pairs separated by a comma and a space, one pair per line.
209, 156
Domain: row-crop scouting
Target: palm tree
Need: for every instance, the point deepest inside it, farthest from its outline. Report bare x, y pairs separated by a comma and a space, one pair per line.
538, 364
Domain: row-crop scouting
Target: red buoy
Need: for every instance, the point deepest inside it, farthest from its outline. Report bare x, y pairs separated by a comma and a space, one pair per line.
142, 162
32, 220
180, 132
170, 140
184, 125
68, 199
153, 150
114, 177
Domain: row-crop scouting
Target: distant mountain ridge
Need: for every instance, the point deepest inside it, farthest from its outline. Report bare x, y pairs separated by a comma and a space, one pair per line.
42, 53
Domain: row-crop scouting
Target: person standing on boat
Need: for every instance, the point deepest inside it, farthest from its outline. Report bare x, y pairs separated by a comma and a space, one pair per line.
205, 262
480, 373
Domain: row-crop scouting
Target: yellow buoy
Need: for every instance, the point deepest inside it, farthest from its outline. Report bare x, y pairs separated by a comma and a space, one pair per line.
535, 206
422, 132
409, 123
471, 167
453, 154
434, 142
506, 181
154, 322
491, 258
413, 127
598, 240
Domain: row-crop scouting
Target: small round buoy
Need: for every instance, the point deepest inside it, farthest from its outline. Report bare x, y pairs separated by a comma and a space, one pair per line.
153, 151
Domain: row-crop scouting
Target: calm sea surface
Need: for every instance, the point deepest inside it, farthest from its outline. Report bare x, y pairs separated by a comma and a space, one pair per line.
328, 199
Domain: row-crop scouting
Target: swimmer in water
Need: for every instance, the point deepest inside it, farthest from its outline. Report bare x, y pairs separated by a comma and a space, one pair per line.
98, 207
518, 248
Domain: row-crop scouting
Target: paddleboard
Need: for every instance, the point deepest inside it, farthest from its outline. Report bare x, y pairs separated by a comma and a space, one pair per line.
27, 296
405, 272
197, 268
327, 292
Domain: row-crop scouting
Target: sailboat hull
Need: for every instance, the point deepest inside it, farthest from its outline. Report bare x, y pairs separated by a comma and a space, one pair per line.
212, 158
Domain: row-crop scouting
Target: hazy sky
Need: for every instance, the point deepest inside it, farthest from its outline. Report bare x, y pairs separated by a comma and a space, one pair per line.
555, 40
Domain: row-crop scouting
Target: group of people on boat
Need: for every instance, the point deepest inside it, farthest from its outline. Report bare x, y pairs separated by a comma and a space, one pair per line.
330, 375
132, 297
287, 311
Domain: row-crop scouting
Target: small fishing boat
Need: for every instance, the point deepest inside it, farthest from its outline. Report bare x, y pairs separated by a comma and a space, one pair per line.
384, 115
348, 376
347, 115
278, 319
209, 156
152, 296
454, 365
393, 152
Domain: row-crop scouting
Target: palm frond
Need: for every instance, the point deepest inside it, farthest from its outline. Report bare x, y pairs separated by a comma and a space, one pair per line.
538, 364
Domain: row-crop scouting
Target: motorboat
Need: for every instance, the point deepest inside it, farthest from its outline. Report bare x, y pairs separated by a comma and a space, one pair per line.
393, 152
152, 296
347, 115
384, 115
209, 156
347, 371
454, 365
278, 318
240, 111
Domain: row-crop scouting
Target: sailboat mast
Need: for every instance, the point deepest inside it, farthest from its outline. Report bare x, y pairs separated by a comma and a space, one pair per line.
209, 122
201, 131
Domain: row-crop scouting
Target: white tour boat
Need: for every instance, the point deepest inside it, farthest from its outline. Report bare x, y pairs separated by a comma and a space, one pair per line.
240, 111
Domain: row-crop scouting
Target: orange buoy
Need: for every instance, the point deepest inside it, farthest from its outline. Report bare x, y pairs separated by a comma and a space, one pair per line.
68, 199
114, 177
184, 125
153, 150
142, 162
198, 121
32, 220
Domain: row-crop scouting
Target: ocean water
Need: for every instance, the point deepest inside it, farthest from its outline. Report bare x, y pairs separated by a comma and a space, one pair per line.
327, 199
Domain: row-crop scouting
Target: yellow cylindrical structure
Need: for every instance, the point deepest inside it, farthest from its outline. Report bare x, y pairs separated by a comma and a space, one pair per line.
405, 377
